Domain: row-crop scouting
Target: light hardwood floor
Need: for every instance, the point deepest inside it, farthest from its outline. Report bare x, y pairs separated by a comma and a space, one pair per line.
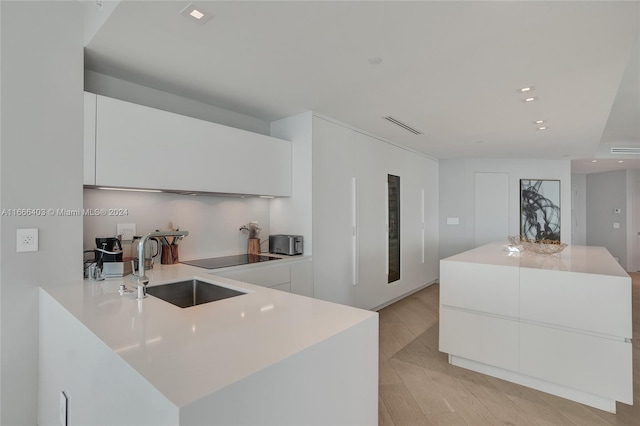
419, 387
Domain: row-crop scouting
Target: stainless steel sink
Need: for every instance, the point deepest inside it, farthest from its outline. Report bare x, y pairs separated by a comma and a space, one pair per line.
191, 292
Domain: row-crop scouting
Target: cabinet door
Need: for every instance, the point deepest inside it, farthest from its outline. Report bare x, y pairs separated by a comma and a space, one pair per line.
302, 278
264, 275
413, 216
334, 191
375, 160
491, 289
592, 364
282, 287
589, 302
89, 157
143, 147
482, 338
431, 184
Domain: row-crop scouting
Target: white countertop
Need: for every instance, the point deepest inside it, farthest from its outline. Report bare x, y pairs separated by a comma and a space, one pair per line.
190, 353
580, 259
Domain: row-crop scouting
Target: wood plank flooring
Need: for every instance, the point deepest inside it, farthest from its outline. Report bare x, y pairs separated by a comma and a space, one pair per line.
419, 387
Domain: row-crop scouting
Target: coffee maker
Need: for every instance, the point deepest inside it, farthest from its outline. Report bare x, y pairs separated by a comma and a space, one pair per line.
108, 257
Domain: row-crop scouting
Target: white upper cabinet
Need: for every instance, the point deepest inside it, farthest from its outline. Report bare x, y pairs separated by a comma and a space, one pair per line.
141, 147
89, 139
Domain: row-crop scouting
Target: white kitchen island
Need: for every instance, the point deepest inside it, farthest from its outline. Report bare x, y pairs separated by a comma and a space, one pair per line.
557, 323
266, 357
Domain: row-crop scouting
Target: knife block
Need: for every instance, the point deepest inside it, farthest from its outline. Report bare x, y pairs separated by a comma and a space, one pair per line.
169, 255
253, 246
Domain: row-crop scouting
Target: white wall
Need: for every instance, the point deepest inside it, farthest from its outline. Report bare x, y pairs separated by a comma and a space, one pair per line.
457, 197
41, 167
294, 215
607, 191
213, 222
126, 91
579, 209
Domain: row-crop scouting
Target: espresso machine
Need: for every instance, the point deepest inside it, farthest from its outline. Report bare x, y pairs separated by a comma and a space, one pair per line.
108, 258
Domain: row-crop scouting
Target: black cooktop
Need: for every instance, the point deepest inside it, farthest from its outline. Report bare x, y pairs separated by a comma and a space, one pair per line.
225, 261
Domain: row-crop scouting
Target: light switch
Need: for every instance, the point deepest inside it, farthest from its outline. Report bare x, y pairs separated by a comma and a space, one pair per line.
616, 225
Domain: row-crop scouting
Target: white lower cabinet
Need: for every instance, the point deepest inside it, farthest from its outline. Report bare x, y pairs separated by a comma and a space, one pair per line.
593, 364
561, 324
468, 284
293, 277
282, 287
486, 339
302, 278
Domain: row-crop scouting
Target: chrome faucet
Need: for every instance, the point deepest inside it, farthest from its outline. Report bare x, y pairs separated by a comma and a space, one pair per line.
141, 279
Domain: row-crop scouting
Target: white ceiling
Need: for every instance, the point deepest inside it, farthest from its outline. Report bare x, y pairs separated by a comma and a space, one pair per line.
449, 69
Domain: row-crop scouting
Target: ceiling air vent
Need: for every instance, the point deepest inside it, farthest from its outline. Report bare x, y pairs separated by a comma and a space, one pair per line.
403, 125
635, 151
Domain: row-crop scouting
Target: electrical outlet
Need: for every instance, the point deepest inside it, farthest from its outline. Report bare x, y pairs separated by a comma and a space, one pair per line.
63, 408
127, 230
26, 240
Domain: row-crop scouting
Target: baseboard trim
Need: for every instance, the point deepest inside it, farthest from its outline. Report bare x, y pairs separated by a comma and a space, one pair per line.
392, 301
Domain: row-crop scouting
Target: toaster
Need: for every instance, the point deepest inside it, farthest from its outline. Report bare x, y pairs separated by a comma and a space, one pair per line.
285, 244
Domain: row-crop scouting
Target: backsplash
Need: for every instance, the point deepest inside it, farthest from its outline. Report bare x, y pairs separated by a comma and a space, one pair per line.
212, 222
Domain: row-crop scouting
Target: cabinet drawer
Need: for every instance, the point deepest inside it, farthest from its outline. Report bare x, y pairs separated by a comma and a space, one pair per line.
592, 364
490, 340
570, 299
267, 276
282, 287
479, 287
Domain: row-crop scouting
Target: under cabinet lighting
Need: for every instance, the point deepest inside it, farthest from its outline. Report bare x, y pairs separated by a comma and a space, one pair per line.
128, 189
620, 161
267, 196
594, 161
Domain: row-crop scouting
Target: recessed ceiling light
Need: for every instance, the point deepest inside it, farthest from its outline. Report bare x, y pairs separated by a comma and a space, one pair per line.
594, 161
529, 99
525, 89
539, 121
542, 128
375, 60
196, 13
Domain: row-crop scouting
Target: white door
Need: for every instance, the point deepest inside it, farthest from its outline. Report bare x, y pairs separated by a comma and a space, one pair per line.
491, 207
